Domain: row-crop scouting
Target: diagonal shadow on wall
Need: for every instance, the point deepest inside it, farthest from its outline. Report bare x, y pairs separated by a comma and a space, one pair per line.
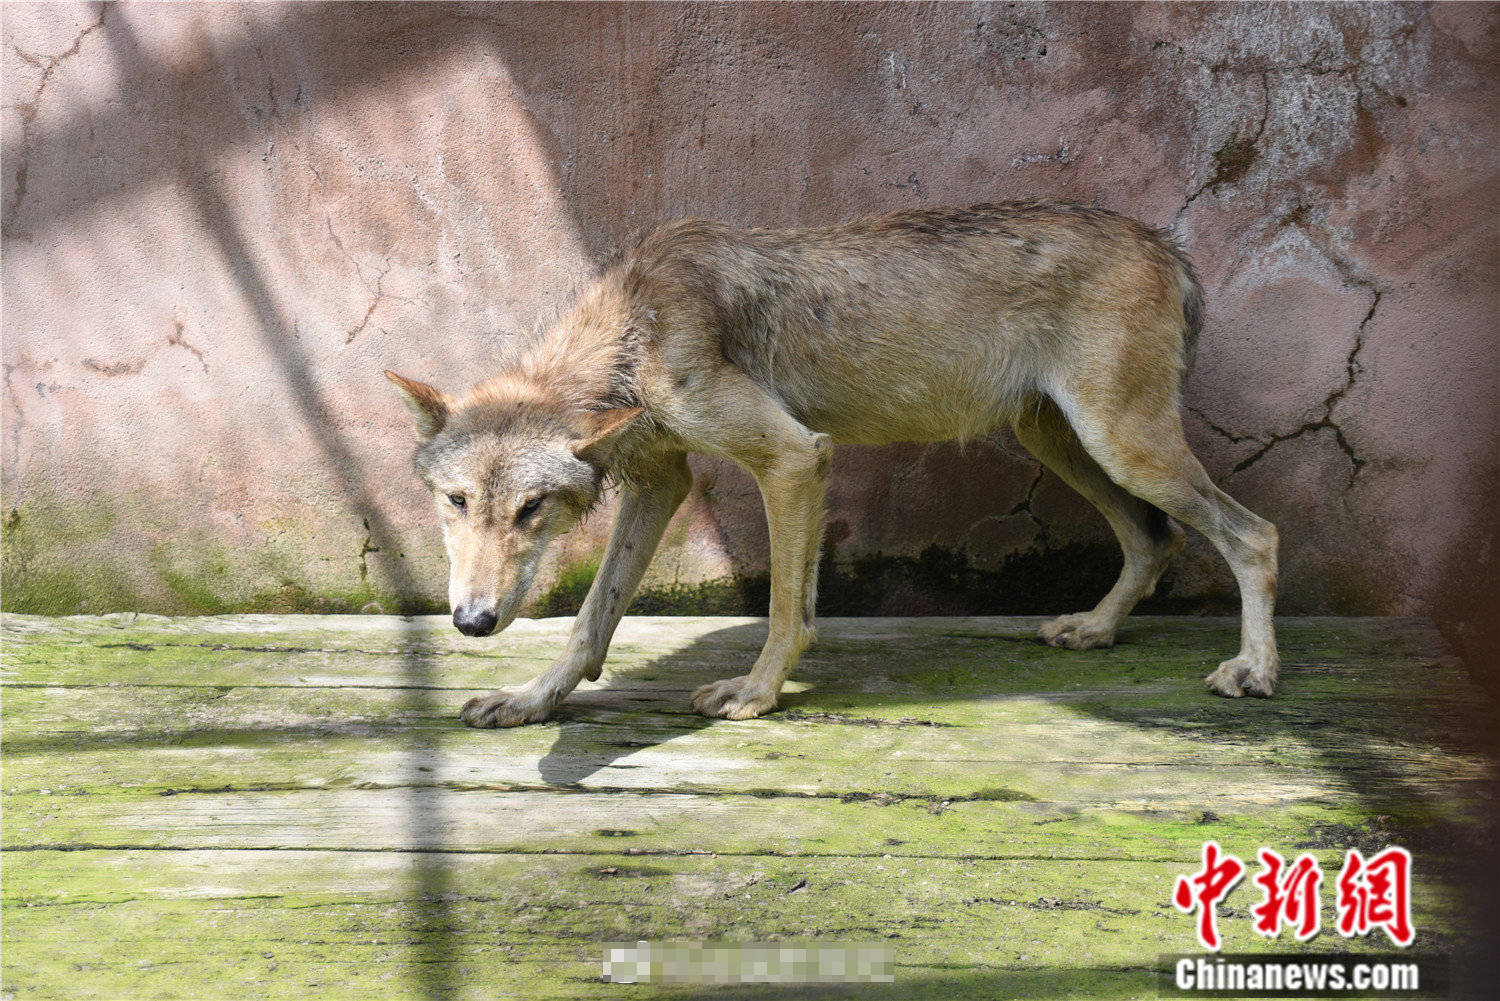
429, 920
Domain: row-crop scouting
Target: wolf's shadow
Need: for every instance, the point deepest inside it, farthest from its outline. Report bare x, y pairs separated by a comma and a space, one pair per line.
646, 705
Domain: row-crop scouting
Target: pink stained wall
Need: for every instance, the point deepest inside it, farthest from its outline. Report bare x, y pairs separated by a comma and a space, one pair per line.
221, 222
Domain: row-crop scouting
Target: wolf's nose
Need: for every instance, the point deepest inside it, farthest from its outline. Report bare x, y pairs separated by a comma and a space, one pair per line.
474, 621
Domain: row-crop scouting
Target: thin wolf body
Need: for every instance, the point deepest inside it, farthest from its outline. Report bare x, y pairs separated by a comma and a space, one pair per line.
1071, 324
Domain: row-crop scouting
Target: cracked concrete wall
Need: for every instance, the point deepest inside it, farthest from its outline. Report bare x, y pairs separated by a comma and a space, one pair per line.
222, 222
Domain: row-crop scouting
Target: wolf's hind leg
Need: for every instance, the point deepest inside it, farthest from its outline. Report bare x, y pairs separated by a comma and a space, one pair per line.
646, 506
1148, 537
1146, 453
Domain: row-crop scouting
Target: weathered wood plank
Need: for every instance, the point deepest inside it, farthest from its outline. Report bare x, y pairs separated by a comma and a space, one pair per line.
286, 807
974, 655
550, 821
312, 790
1125, 743
107, 732
317, 923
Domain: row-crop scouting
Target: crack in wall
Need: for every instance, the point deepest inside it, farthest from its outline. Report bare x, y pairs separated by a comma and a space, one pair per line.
28, 113
133, 366
376, 290
177, 340
1322, 240
20, 423
111, 369
379, 293
1318, 235
1314, 66
1233, 159
366, 547
1355, 68
1023, 506
1327, 422
1222, 432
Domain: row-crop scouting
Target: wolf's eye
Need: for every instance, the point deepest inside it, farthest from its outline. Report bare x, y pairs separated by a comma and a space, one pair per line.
528, 509
458, 500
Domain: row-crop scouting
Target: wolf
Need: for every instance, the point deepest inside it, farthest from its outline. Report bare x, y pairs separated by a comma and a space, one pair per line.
1071, 324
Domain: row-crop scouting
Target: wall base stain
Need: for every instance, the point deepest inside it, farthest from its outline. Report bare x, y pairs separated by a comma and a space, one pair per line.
937, 581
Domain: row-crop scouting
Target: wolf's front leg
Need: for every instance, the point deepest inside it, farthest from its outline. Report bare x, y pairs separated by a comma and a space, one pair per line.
645, 509
793, 485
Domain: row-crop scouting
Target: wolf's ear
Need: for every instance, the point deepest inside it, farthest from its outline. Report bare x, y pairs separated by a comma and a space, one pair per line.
603, 427
428, 406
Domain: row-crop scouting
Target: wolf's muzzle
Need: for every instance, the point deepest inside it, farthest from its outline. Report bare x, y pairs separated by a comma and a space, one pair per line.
473, 621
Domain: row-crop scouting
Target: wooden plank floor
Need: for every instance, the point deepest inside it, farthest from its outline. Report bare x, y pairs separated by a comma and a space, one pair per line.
286, 806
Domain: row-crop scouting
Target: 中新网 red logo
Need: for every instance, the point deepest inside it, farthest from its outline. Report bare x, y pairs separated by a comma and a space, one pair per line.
1371, 893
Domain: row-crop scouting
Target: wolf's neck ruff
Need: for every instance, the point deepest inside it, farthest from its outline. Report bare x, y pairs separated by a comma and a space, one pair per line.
590, 359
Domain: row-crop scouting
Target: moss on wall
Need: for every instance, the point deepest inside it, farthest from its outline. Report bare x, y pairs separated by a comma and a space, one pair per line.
70, 557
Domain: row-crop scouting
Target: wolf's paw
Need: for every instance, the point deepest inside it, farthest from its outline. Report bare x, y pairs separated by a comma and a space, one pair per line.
733, 698
506, 707
1077, 632
1244, 675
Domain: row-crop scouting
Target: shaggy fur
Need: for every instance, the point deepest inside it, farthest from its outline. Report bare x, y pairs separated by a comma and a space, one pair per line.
1071, 324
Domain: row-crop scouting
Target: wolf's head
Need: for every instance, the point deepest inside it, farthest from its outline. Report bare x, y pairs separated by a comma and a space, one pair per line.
511, 467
